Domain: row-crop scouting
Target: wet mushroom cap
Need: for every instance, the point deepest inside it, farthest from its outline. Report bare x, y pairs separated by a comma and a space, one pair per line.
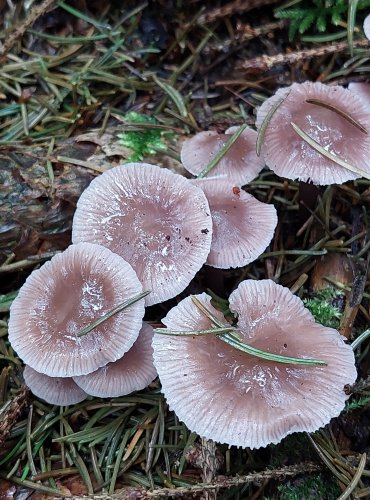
231, 397
367, 27
362, 90
133, 372
156, 220
242, 226
71, 291
54, 390
288, 155
240, 164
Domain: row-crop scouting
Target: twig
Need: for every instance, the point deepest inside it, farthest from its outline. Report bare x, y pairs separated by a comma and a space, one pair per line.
35, 13
11, 411
264, 63
235, 7
219, 482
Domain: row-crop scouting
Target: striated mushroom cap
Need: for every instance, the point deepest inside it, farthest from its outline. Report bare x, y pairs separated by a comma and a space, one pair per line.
133, 372
362, 90
288, 155
54, 390
231, 397
242, 226
239, 165
367, 26
71, 291
156, 220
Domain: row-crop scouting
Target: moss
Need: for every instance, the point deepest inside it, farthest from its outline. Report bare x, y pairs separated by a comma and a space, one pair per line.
323, 307
309, 487
146, 141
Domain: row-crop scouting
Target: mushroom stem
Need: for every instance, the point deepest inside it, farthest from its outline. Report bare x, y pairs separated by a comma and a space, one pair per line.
222, 152
124, 305
331, 156
233, 340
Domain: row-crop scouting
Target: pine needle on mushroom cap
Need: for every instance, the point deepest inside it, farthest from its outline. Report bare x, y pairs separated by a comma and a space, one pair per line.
225, 395
73, 289
239, 164
332, 117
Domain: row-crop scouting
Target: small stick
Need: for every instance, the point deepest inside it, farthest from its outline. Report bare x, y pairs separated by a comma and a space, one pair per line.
264, 63
33, 15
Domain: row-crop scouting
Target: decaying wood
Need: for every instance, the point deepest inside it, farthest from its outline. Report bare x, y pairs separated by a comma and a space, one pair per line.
35, 210
11, 411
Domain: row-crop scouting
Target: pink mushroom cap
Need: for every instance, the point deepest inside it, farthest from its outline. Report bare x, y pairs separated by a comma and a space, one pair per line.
242, 226
288, 155
71, 291
156, 220
133, 372
239, 165
362, 90
231, 397
367, 26
60, 391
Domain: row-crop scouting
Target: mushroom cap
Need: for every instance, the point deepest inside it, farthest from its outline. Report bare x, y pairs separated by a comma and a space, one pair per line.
367, 26
242, 226
290, 156
133, 372
71, 291
226, 395
60, 391
362, 90
239, 165
156, 220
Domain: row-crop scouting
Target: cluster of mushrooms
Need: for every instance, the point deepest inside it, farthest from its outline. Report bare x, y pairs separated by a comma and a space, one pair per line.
140, 228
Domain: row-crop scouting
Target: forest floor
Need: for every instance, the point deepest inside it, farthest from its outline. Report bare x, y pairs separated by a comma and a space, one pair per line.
85, 86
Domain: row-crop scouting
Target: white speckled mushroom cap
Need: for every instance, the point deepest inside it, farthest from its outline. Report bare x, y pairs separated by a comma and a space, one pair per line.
239, 165
133, 372
60, 391
290, 156
156, 220
71, 291
362, 90
367, 26
242, 226
228, 396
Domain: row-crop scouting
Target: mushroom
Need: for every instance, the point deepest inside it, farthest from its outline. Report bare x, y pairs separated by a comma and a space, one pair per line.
366, 26
331, 116
362, 90
54, 390
231, 397
242, 226
71, 291
156, 220
133, 372
240, 164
